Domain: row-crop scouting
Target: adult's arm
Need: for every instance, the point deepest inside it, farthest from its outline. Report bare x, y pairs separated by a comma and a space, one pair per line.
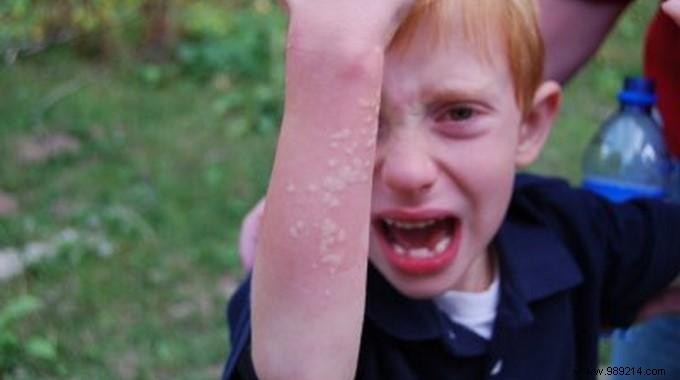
573, 30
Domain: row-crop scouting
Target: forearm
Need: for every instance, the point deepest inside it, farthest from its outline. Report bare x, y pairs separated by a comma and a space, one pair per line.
573, 30
309, 278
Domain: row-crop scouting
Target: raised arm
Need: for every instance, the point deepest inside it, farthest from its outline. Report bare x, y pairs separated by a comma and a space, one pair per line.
573, 31
309, 276
672, 8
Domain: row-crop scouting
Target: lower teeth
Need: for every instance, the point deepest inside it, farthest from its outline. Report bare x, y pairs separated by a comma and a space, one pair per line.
442, 245
422, 253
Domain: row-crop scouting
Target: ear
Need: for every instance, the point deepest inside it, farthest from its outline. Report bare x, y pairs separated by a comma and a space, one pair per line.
537, 123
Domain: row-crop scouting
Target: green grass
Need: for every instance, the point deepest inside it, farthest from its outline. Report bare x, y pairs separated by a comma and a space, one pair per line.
164, 175
163, 178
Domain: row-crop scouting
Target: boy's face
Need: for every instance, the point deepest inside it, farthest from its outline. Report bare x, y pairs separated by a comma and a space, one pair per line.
446, 157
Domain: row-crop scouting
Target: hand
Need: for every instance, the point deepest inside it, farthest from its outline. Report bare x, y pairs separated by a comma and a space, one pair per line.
250, 228
667, 302
377, 19
672, 9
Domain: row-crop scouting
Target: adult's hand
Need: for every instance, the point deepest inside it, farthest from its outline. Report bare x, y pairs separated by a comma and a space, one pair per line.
250, 228
666, 303
672, 9
377, 19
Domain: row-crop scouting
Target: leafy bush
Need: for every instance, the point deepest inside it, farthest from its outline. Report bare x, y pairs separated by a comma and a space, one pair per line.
13, 350
238, 42
28, 26
103, 26
241, 48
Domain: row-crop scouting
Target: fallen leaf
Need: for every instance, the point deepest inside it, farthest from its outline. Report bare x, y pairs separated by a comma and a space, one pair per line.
8, 204
40, 148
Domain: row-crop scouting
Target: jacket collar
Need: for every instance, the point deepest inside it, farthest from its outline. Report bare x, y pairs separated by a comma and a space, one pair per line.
535, 264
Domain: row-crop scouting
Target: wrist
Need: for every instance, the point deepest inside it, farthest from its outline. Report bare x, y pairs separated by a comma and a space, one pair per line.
333, 36
316, 57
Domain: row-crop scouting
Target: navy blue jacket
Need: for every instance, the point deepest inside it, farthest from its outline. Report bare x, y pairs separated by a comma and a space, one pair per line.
570, 263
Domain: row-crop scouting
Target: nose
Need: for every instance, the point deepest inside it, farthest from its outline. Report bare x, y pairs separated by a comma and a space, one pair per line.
406, 166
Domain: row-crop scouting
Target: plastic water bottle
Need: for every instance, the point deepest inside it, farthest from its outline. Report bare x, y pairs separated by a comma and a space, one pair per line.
628, 158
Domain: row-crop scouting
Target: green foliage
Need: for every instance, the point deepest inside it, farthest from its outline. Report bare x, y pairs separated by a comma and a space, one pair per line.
239, 45
25, 24
165, 173
17, 25
238, 42
243, 48
213, 35
155, 75
16, 310
15, 350
204, 19
163, 178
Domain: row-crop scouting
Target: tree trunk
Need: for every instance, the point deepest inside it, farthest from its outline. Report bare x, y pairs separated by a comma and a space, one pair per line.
158, 30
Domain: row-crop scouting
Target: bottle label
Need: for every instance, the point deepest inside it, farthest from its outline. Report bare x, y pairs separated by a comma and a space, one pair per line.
618, 191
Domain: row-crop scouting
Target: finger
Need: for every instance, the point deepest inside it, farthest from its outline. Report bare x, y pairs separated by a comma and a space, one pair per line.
250, 228
666, 303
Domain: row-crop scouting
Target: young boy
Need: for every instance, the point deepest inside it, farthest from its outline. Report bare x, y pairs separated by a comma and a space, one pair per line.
403, 129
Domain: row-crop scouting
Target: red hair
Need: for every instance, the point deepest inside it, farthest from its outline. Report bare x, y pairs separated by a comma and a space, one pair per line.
517, 20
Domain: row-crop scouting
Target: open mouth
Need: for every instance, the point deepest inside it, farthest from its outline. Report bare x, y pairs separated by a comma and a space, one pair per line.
419, 246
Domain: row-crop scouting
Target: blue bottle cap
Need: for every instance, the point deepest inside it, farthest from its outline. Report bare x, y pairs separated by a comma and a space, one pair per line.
638, 91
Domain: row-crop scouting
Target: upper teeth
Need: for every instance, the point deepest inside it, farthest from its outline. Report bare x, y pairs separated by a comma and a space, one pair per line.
411, 225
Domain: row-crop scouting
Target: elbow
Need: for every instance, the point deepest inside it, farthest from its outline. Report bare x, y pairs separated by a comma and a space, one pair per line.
272, 364
287, 364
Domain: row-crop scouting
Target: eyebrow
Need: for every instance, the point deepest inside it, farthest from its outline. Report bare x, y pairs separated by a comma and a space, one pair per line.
443, 91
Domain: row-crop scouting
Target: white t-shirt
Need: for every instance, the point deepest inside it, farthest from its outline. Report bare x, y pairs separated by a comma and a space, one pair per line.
474, 310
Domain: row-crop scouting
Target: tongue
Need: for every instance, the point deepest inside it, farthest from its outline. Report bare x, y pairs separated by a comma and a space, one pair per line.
426, 237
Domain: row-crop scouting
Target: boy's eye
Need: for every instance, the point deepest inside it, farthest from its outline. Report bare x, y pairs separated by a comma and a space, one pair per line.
456, 113
460, 120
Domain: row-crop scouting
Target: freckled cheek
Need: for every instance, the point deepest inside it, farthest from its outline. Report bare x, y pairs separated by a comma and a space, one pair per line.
492, 175
495, 192
486, 180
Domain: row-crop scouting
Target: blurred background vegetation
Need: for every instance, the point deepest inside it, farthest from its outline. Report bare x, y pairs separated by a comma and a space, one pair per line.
134, 136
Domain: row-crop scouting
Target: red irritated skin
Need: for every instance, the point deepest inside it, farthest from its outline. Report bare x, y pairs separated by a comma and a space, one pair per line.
308, 292
450, 139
